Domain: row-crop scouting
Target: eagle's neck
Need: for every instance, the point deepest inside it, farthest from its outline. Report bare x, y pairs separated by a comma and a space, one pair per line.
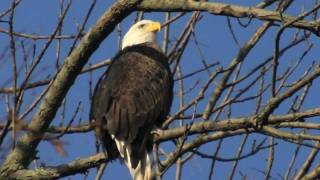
153, 45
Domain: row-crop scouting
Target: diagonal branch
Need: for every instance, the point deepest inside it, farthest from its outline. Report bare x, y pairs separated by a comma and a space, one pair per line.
25, 152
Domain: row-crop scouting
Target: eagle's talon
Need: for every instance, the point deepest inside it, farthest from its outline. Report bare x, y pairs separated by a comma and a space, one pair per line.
156, 132
258, 125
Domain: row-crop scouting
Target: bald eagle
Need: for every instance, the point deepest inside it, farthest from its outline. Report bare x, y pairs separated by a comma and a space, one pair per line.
132, 97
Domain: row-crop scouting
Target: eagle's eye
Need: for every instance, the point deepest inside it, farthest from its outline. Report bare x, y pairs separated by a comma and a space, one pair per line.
141, 25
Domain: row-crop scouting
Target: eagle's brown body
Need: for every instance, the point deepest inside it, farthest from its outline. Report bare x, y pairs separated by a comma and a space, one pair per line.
132, 97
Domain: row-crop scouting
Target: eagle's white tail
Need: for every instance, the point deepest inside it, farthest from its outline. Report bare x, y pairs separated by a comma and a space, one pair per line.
143, 170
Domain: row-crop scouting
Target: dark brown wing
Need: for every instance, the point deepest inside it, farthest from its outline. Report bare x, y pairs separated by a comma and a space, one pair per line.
133, 96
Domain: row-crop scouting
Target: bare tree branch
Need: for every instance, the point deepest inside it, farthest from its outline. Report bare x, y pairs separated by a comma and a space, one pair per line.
74, 167
226, 10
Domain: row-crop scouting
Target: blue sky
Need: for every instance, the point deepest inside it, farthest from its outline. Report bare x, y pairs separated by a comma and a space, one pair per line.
40, 17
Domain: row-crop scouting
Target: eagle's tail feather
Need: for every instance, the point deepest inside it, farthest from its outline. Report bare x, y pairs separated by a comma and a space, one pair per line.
143, 169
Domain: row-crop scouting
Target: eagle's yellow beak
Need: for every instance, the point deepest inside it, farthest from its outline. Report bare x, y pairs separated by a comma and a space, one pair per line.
154, 27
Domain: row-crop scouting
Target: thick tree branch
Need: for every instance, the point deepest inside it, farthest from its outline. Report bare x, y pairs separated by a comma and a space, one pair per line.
24, 152
226, 10
231, 124
54, 172
314, 174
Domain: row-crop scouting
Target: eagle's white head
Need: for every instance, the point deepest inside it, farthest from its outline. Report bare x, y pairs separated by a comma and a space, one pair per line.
141, 32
